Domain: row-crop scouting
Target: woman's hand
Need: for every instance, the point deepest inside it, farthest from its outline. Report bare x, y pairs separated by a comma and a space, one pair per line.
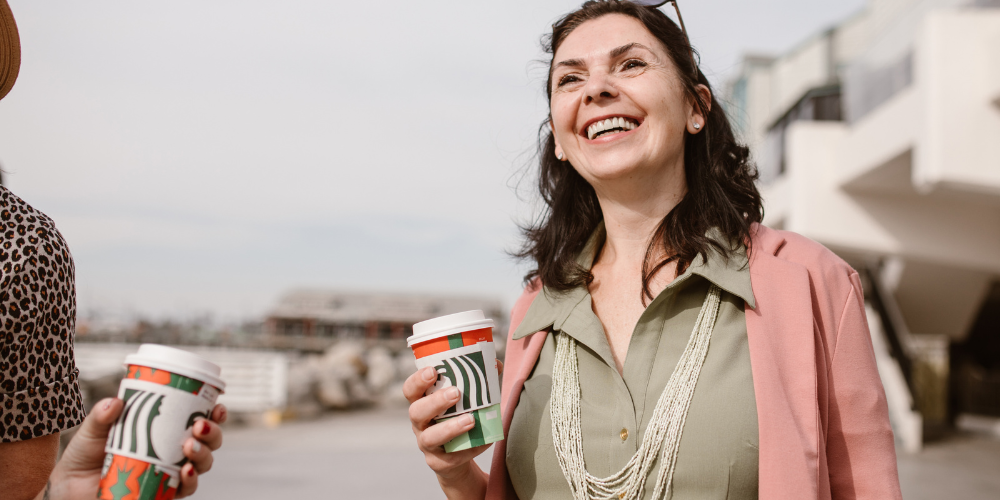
78, 472
457, 473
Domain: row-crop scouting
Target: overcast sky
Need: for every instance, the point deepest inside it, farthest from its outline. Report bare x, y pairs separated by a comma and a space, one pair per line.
205, 156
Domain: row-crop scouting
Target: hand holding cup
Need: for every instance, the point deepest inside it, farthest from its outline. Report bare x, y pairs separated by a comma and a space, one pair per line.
455, 470
167, 395
76, 475
455, 398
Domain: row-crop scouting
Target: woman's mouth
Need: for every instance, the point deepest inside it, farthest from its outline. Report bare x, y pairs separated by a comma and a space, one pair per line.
611, 126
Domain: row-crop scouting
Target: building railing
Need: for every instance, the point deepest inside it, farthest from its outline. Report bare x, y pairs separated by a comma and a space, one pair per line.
893, 324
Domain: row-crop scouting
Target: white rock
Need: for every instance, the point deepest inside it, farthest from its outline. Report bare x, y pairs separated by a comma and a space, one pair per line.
340, 377
331, 391
406, 364
381, 369
302, 380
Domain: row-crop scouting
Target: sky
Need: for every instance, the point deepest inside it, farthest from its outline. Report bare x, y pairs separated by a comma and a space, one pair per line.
203, 157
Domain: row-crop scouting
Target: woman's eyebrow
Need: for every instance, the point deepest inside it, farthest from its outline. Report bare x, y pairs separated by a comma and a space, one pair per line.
572, 63
613, 53
618, 51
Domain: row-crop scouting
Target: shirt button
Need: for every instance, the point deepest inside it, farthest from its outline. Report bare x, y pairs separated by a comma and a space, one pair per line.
623, 434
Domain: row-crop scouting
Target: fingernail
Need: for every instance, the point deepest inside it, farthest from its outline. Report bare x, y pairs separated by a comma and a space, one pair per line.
429, 374
204, 429
196, 447
107, 404
469, 420
191, 472
452, 393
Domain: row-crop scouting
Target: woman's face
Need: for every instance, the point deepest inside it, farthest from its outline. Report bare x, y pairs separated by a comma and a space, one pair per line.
618, 107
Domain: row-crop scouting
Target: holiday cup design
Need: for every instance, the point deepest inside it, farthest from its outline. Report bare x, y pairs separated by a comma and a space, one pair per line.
465, 367
165, 391
128, 478
460, 349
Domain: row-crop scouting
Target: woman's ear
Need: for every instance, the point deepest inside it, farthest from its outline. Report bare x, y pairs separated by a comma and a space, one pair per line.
698, 118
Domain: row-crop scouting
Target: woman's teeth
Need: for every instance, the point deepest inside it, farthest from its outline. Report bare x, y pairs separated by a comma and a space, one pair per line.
610, 126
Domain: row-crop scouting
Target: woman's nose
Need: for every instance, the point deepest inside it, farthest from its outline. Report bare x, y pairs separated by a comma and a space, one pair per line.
599, 87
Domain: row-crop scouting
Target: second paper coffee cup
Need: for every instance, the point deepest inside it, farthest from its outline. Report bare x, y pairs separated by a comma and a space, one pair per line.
460, 349
165, 391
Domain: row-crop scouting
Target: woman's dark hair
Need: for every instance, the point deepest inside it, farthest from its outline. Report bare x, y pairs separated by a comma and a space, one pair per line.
720, 176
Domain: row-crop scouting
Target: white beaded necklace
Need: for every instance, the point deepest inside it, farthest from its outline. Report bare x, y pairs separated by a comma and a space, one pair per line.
663, 434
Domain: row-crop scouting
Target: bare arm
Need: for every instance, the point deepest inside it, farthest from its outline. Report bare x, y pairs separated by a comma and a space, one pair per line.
25, 466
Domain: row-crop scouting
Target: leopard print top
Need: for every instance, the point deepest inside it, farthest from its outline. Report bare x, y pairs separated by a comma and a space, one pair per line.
39, 390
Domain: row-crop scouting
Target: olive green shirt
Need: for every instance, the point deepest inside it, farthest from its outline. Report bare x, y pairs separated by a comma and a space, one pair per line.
718, 452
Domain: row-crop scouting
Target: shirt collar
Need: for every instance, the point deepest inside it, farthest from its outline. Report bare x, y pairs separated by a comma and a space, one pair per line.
731, 275
551, 308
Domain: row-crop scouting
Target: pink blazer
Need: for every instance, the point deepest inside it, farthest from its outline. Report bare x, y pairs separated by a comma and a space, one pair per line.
821, 410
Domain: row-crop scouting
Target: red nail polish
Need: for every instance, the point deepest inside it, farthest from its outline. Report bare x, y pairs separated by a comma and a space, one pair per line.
204, 430
191, 472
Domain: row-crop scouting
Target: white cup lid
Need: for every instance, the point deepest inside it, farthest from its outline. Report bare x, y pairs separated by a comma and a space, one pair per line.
177, 361
447, 325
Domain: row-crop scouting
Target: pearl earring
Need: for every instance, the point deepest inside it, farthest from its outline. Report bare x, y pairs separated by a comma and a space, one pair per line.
559, 156
697, 126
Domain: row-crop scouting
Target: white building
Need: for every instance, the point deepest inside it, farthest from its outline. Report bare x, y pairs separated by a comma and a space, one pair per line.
880, 138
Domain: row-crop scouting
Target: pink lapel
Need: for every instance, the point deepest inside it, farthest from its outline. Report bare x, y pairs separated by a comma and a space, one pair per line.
782, 358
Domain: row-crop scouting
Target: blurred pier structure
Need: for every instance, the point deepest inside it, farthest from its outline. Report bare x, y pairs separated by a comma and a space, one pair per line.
315, 319
880, 138
314, 350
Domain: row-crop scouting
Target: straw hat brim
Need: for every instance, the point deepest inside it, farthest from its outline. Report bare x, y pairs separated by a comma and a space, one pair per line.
10, 49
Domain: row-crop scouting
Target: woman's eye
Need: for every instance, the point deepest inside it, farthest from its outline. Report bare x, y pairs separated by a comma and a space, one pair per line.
567, 79
633, 63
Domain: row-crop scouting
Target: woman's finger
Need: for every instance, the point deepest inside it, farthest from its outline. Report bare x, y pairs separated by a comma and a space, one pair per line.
438, 434
86, 450
426, 408
500, 367
208, 432
199, 455
189, 481
417, 384
220, 413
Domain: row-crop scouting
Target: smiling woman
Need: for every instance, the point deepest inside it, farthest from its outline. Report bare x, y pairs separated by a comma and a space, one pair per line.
667, 344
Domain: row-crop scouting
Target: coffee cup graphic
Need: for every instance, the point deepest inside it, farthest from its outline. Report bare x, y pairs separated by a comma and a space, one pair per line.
460, 349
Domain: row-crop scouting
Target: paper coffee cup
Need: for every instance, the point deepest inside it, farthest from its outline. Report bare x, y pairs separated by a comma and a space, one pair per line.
165, 390
460, 349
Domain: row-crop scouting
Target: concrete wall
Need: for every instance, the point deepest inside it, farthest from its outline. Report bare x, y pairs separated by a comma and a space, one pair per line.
947, 251
958, 72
